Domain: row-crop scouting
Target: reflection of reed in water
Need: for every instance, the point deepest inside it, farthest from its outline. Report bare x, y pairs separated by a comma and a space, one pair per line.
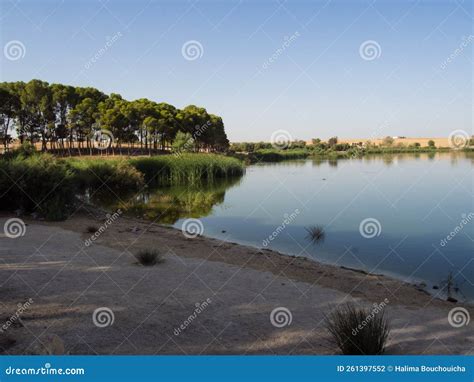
168, 205
452, 287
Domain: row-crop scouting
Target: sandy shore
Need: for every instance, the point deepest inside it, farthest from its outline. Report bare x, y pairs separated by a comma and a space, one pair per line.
239, 286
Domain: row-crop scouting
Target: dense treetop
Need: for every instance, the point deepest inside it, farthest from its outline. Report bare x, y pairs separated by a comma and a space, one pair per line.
63, 116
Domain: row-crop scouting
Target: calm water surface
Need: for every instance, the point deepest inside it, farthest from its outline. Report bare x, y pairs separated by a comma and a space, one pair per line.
415, 201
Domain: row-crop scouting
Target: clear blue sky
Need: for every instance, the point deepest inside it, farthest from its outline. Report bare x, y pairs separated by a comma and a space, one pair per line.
319, 85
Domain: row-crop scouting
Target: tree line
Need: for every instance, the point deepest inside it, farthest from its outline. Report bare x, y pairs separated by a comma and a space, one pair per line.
66, 117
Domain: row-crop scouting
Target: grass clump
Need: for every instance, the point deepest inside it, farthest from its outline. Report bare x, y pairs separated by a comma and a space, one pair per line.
92, 229
149, 257
358, 331
315, 234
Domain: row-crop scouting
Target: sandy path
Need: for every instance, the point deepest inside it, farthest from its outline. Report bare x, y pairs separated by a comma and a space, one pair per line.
67, 281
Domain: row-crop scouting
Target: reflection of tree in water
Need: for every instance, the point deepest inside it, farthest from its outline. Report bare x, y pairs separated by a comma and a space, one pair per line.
388, 159
168, 204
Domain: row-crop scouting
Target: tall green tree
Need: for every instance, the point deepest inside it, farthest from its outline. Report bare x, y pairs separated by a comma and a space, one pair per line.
57, 113
9, 109
37, 109
64, 99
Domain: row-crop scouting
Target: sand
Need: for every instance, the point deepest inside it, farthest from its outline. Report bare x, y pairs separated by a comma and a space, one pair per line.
236, 289
423, 141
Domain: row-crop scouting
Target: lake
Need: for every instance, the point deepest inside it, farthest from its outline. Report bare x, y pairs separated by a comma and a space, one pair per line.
410, 216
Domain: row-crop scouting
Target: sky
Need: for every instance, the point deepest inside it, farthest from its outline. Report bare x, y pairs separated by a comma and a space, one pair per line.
353, 69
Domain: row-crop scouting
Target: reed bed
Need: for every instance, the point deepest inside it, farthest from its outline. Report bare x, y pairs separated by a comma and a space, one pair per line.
108, 174
42, 183
187, 169
275, 155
